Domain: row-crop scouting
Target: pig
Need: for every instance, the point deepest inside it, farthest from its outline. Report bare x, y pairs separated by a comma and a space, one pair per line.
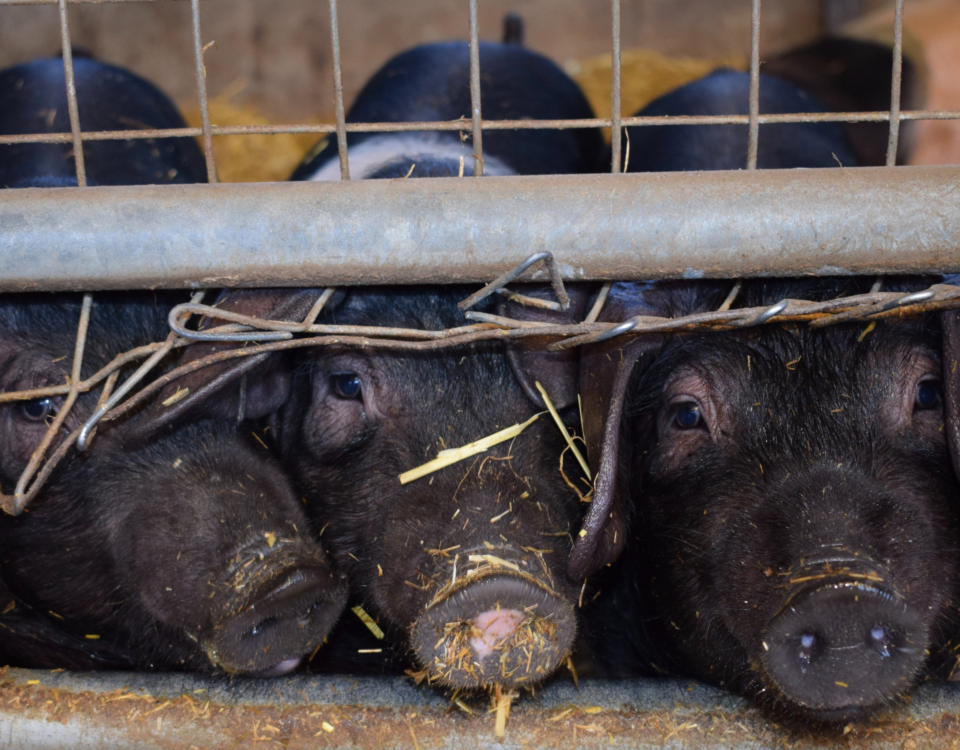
464, 568
432, 83
854, 75
677, 148
185, 551
829, 75
33, 99
782, 496
793, 507
181, 547
188, 553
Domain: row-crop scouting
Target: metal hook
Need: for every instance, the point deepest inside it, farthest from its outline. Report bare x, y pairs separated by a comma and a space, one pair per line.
498, 284
595, 338
909, 299
770, 312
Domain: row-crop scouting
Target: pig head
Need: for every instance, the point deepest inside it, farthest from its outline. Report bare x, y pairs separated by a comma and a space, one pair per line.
794, 508
187, 551
466, 565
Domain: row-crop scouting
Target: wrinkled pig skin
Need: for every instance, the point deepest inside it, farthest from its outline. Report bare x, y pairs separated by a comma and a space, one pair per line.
358, 418
794, 510
185, 552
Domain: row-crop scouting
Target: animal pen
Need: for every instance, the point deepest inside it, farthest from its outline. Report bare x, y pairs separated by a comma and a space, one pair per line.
488, 231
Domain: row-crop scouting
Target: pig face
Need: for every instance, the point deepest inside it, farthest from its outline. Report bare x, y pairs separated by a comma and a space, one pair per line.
796, 512
196, 538
468, 562
185, 551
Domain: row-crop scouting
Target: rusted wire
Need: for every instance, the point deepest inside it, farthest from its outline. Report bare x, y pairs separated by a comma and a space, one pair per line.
201, 72
615, 103
476, 121
754, 116
466, 125
338, 92
21, 495
86, 431
498, 284
870, 306
72, 109
896, 79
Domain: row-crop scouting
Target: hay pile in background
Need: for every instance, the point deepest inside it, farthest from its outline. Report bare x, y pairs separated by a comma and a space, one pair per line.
645, 75
251, 158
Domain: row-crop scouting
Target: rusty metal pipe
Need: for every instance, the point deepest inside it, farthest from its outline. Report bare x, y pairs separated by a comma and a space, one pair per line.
681, 225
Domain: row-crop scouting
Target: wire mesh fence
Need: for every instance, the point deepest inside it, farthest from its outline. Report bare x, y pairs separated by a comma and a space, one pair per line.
476, 124
270, 336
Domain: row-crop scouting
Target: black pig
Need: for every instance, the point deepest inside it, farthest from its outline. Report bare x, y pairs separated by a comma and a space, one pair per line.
432, 83
784, 494
175, 548
188, 550
795, 511
676, 148
464, 567
854, 75
33, 99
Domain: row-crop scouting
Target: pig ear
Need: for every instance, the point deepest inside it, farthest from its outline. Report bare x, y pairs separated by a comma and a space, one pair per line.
604, 379
558, 372
950, 321
263, 380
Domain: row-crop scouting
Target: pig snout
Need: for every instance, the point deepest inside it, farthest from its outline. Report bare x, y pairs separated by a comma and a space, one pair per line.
500, 628
844, 639
296, 599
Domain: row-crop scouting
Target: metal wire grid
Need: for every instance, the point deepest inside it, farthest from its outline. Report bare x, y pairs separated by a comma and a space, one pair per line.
282, 336
475, 125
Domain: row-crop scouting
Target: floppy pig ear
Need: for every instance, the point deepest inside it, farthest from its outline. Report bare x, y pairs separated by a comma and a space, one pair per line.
268, 382
557, 372
605, 373
950, 320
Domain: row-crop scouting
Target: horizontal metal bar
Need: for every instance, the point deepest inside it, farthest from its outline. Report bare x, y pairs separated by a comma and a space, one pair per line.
123, 710
73, 2
635, 226
466, 125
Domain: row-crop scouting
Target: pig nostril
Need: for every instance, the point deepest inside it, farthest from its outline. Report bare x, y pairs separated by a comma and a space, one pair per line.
311, 611
261, 626
881, 640
808, 644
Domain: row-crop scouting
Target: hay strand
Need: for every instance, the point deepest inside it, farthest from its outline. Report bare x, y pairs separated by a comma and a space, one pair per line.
368, 621
563, 430
454, 455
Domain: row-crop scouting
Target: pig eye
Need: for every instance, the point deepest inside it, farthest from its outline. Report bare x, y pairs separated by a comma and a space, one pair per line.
39, 409
928, 395
346, 385
688, 415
